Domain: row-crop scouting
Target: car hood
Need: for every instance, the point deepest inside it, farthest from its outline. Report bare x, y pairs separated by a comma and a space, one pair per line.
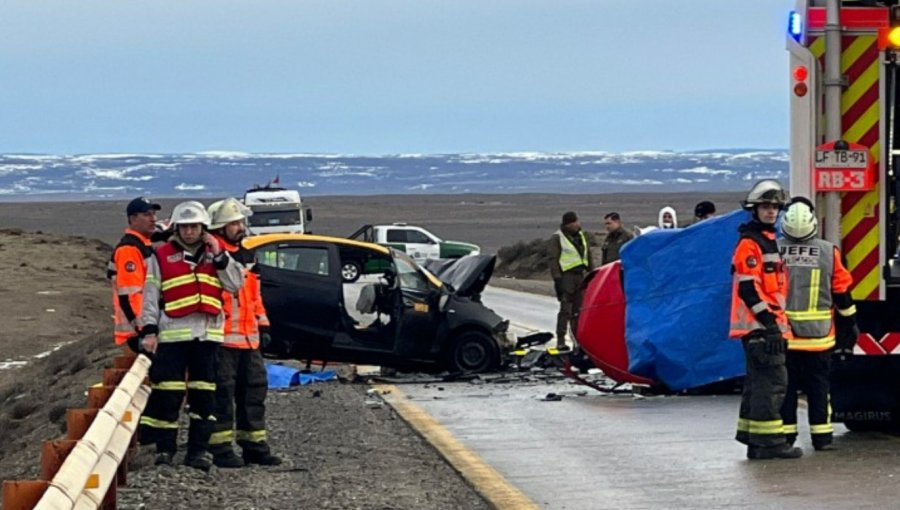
468, 276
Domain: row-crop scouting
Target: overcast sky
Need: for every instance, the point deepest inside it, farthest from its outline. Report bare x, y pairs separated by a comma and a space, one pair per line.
391, 76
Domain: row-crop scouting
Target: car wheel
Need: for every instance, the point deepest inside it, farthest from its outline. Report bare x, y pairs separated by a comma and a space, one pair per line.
350, 271
473, 352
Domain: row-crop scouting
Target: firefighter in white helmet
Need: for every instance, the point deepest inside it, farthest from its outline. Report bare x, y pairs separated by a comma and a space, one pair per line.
819, 285
759, 292
241, 378
182, 323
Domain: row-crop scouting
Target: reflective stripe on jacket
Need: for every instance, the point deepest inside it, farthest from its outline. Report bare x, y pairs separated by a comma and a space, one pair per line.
569, 257
759, 287
126, 271
816, 274
186, 287
244, 310
203, 326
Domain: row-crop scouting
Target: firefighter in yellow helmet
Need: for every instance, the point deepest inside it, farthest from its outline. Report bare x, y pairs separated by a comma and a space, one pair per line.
819, 286
241, 378
182, 323
758, 299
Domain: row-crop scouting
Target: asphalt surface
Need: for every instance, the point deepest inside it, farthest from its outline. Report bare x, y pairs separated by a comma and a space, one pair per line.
625, 452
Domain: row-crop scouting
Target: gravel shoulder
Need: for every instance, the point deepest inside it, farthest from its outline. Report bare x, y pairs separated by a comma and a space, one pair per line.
342, 449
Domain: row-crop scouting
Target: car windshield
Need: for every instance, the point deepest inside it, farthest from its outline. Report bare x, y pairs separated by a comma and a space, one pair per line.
274, 218
410, 275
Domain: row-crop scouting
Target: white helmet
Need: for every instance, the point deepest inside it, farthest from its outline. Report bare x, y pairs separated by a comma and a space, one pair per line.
190, 212
800, 222
766, 191
223, 212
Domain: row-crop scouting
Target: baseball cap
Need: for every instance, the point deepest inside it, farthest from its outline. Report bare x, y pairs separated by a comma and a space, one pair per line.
141, 205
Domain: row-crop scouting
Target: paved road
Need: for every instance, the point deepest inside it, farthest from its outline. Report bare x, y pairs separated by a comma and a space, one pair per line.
621, 452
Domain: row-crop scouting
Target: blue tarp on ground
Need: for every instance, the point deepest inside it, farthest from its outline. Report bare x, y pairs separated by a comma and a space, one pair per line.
678, 303
281, 377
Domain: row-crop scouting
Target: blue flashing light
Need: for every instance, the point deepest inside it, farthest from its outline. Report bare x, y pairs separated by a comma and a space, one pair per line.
795, 25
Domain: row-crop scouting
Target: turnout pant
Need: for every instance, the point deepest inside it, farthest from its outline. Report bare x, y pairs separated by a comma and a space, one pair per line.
809, 372
178, 367
569, 304
241, 387
759, 422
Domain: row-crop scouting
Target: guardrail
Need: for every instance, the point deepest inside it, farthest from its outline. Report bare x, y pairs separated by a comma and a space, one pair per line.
82, 471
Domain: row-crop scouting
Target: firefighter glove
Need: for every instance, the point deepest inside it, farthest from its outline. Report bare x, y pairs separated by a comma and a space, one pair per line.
265, 337
775, 343
847, 335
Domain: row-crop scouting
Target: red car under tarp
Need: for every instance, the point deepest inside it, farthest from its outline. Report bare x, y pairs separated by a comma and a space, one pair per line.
601, 324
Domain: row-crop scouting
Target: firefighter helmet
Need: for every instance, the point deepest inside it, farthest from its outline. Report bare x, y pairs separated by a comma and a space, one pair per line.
223, 212
766, 191
190, 212
800, 222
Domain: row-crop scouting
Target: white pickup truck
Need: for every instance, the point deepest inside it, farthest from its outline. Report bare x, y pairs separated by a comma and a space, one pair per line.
418, 243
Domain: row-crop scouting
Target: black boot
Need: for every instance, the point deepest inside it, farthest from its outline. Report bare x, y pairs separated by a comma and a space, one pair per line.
261, 457
165, 459
201, 460
226, 458
782, 451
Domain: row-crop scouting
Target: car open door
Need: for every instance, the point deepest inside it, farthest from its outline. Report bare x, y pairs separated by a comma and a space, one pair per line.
301, 288
417, 311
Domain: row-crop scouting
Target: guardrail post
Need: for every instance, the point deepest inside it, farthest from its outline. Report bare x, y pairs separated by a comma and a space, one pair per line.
113, 376
99, 395
123, 362
53, 454
78, 421
23, 494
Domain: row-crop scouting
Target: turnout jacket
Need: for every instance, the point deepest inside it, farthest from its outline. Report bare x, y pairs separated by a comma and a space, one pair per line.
244, 310
200, 325
760, 283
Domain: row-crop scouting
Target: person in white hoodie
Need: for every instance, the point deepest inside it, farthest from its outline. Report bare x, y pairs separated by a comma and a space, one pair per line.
667, 218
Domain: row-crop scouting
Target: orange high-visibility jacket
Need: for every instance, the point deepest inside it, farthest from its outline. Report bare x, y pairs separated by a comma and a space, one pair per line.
760, 284
126, 271
244, 311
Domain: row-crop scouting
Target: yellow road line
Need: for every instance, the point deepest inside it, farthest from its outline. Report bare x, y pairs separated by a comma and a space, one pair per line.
486, 480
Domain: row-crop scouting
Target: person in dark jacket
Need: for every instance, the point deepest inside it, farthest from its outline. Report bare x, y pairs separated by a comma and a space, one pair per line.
616, 237
570, 260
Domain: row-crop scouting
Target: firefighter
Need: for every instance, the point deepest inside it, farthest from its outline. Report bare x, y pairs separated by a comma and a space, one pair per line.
570, 261
818, 284
616, 237
758, 299
183, 325
241, 378
127, 268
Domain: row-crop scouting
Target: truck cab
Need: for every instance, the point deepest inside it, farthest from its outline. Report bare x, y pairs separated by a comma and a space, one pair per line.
276, 211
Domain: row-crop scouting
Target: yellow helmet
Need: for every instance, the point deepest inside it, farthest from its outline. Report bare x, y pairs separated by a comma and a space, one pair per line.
799, 222
223, 212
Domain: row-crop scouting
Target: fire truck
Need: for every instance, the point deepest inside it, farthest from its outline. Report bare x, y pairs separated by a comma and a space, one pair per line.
845, 152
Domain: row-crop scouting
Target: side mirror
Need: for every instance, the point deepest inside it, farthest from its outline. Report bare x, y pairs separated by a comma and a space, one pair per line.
308, 212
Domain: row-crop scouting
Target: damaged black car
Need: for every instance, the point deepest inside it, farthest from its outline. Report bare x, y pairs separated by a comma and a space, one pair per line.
398, 315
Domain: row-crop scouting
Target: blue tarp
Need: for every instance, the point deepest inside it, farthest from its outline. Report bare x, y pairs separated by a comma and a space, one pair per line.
281, 377
678, 303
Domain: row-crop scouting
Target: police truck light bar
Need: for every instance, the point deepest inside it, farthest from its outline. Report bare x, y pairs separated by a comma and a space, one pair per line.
795, 25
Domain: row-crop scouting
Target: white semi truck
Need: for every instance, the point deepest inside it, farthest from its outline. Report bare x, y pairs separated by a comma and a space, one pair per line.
276, 210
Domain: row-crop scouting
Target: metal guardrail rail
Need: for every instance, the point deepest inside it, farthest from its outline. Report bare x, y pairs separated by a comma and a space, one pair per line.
90, 469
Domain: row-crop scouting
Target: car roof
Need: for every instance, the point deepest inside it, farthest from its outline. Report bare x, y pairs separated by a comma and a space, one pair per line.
252, 242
